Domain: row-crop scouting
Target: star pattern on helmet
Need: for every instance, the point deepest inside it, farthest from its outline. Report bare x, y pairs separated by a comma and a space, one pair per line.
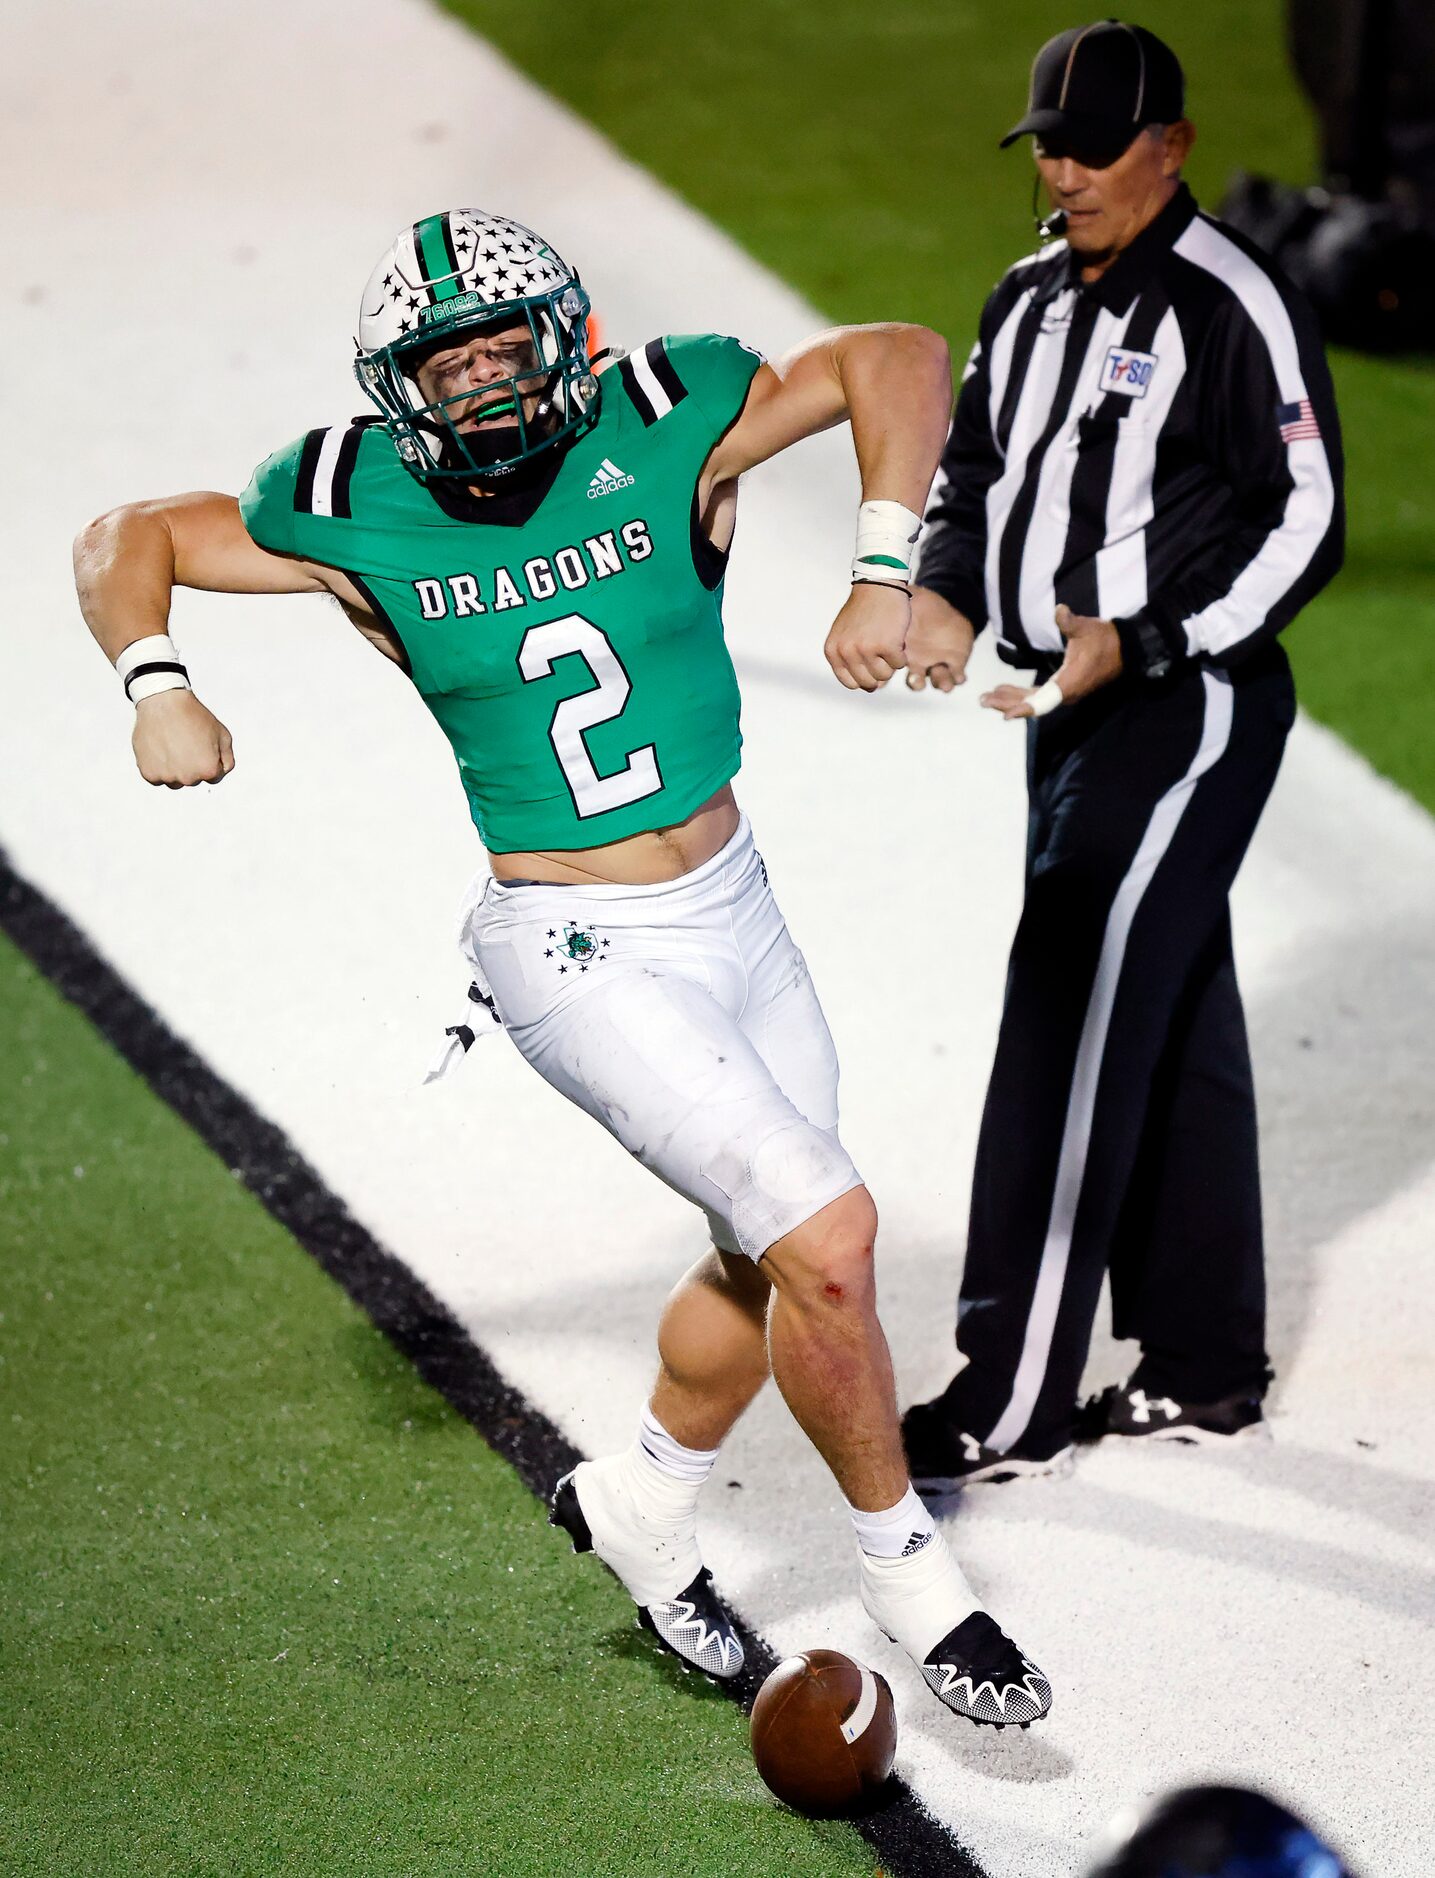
501, 259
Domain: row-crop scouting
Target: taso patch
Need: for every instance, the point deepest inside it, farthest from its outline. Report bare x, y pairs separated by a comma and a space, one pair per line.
1127, 373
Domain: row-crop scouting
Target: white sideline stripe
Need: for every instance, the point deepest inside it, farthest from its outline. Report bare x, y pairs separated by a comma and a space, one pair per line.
646, 377
324, 470
858, 1722
1076, 1134
1286, 551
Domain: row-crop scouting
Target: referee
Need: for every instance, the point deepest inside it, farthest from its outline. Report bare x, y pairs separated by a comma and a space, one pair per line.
1142, 486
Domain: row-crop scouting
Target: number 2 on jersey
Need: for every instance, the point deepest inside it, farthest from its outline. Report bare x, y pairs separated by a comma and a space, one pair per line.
592, 794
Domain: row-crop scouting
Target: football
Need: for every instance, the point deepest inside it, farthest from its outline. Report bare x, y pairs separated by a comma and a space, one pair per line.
824, 1732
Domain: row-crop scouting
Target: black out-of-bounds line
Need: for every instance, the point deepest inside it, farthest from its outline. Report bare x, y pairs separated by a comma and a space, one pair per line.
907, 1839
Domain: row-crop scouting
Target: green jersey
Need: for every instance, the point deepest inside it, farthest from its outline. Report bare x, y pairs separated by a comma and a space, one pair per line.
573, 654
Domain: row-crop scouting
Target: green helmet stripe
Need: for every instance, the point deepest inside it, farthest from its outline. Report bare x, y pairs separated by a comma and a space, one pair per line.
435, 246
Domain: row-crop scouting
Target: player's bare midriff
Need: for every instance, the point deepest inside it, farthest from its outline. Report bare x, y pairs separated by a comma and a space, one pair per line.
641, 861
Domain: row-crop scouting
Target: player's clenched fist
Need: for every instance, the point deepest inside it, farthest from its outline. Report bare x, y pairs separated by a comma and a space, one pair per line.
864, 647
178, 741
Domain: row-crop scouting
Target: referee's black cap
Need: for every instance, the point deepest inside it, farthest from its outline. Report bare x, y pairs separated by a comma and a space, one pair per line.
1094, 87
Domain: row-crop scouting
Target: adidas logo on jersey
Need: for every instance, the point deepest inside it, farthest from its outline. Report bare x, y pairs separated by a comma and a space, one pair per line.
608, 478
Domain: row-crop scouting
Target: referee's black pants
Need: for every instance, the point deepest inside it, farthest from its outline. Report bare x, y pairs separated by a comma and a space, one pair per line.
1120, 1125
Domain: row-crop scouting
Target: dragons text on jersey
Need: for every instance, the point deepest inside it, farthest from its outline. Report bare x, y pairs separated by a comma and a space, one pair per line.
598, 558
578, 670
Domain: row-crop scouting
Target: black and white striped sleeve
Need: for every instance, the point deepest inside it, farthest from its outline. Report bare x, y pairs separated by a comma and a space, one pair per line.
1268, 427
952, 555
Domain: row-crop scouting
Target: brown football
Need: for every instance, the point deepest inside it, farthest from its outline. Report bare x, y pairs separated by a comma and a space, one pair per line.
824, 1732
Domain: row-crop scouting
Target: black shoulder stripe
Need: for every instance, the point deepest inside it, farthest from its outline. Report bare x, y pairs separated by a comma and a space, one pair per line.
663, 371
308, 464
343, 472
637, 396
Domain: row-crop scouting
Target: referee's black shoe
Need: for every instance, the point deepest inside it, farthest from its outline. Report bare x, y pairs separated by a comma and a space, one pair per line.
943, 1458
1131, 1410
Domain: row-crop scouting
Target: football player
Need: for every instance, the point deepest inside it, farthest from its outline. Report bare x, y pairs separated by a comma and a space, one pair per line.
538, 540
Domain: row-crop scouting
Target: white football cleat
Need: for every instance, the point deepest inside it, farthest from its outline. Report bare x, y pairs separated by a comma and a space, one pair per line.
656, 1561
925, 1605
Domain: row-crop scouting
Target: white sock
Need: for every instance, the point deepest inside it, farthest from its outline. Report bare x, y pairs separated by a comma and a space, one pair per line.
897, 1533
666, 1477
669, 1455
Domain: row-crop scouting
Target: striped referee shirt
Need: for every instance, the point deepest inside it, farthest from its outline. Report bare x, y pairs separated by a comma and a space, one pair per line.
1157, 447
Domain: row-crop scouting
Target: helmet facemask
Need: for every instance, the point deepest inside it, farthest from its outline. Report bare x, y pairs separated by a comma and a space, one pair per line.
435, 435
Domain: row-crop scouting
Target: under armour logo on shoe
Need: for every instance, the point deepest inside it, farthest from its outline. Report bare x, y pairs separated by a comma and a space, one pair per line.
915, 1543
971, 1447
607, 479
1142, 1405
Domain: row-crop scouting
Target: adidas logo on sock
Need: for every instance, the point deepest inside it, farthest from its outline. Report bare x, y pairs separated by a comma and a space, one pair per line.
608, 478
915, 1543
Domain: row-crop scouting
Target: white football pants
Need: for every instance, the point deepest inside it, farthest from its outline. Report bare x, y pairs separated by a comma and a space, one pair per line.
681, 1017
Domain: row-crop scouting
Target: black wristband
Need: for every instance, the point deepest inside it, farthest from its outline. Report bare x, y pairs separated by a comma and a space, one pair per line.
1148, 650
156, 665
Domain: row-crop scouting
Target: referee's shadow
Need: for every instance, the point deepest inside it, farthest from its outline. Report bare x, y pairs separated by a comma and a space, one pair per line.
1345, 1074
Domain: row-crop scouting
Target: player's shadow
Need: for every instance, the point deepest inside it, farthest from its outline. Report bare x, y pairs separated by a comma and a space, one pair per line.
1024, 1759
632, 1644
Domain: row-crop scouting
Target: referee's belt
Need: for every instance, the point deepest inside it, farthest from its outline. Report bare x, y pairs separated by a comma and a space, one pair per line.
1044, 664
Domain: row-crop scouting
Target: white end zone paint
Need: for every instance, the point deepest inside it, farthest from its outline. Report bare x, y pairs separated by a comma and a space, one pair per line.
183, 276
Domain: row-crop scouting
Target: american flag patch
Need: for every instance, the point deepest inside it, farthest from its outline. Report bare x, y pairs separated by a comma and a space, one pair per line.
1297, 421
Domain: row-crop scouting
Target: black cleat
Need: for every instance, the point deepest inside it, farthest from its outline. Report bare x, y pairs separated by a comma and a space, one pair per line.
943, 1458
564, 1511
978, 1672
696, 1628
1128, 1409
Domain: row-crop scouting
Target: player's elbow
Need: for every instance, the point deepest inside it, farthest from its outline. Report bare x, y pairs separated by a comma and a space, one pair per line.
930, 345
95, 541
98, 535
905, 339
117, 535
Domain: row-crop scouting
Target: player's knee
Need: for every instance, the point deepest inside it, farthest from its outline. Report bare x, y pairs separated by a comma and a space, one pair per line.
828, 1260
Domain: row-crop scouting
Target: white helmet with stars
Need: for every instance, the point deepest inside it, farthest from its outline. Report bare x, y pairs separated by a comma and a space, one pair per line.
447, 278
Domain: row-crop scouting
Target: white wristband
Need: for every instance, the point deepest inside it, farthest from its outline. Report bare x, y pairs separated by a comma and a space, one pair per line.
886, 538
150, 665
1045, 698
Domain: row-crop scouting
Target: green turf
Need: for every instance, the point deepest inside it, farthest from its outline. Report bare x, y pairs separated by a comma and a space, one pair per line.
270, 1606
852, 147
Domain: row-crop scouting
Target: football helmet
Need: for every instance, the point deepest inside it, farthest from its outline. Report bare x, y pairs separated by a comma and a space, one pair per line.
449, 278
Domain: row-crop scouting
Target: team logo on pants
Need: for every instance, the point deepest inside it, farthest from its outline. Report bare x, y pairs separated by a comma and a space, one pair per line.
577, 945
